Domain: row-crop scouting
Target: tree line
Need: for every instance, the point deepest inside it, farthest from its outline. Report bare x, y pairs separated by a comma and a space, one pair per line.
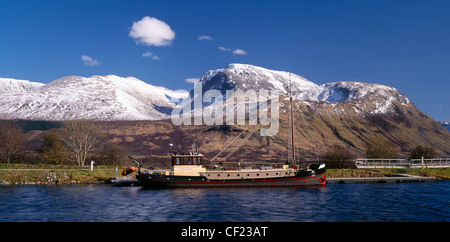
79, 140
74, 142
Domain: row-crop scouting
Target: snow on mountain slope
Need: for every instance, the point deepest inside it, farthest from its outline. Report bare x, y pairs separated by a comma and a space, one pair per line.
372, 98
249, 77
445, 124
350, 91
118, 98
375, 98
97, 97
15, 85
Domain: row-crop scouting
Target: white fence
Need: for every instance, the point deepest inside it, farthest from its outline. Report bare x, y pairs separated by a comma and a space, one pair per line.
402, 163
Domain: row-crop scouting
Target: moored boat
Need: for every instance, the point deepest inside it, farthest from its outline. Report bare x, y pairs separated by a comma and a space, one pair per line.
189, 171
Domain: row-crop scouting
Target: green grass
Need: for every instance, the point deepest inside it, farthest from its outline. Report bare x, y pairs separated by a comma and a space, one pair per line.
54, 174
440, 173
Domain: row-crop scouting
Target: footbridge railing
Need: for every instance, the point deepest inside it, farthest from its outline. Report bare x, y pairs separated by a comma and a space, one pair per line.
402, 163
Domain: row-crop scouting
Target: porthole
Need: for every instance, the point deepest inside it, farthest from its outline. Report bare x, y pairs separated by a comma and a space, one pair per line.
228, 174
257, 174
238, 174
218, 174
267, 174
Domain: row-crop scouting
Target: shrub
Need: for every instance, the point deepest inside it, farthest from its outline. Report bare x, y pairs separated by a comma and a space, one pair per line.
339, 158
427, 152
53, 149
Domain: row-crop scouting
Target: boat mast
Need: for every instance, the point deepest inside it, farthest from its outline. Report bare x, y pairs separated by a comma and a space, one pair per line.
292, 120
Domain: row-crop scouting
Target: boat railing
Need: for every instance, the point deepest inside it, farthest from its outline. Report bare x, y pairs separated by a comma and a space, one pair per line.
402, 163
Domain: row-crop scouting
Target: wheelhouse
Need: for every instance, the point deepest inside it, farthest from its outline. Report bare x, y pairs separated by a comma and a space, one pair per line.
187, 159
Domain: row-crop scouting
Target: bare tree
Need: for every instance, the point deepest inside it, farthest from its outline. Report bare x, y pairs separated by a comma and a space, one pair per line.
381, 148
11, 139
53, 149
424, 151
81, 137
339, 158
112, 154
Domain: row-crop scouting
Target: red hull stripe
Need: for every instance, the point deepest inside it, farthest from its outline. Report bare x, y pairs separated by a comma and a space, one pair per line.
295, 180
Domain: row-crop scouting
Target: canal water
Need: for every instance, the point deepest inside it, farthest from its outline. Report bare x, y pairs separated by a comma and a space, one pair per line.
396, 202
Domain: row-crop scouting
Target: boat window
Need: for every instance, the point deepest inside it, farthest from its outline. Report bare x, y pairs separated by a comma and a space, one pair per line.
228, 174
267, 174
238, 174
276, 173
257, 174
177, 160
248, 174
218, 174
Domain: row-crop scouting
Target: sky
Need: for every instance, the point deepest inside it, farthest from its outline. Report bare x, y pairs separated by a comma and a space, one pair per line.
403, 44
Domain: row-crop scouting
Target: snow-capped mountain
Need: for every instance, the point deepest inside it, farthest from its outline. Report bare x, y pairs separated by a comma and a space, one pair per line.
97, 97
248, 77
341, 113
445, 124
118, 98
373, 98
15, 85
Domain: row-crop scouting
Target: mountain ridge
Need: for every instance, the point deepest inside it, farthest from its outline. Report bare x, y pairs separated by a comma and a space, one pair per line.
96, 97
16, 85
346, 114
127, 98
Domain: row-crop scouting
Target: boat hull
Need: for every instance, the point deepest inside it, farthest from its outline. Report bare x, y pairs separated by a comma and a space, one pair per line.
164, 181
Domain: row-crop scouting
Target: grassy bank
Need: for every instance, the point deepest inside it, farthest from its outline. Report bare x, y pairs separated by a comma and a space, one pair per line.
439, 173
55, 174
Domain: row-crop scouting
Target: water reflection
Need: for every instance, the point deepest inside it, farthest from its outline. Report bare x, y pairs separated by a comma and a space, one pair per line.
349, 202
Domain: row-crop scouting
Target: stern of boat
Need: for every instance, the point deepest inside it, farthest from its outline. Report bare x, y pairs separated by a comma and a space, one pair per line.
320, 169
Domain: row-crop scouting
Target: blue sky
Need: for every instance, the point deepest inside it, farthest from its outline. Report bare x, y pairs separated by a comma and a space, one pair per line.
404, 44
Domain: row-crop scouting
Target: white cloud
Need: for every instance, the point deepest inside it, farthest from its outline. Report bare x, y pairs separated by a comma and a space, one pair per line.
235, 52
147, 54
151, 31
224, 49
239, 52
88, 61
192, 80
150, 54
205, 37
